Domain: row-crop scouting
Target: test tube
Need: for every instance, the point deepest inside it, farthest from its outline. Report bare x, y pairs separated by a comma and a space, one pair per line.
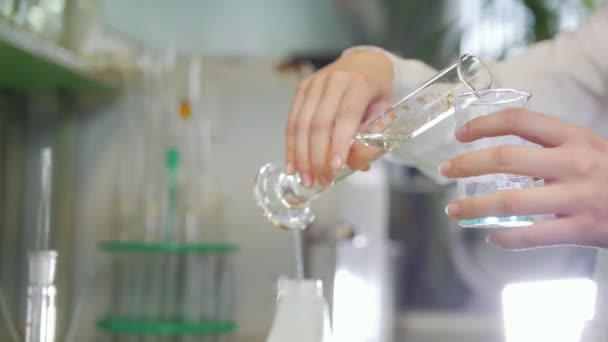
43, 230
169, 264
41, 310
287, 203
41, 292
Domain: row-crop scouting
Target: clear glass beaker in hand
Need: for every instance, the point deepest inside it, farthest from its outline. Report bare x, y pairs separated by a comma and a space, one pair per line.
286, 203
468, 107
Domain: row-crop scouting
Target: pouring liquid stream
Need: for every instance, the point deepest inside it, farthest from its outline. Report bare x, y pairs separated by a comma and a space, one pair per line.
298, 249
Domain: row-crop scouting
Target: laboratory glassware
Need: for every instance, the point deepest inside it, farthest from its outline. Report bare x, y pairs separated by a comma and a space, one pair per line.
302, 314
41, 292
287, 203
476, 104
183, 288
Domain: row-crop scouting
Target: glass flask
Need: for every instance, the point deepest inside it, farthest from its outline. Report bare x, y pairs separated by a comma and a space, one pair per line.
287, 203
302, 314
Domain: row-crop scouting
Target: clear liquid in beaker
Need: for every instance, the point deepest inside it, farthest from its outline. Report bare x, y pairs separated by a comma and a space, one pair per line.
485, 185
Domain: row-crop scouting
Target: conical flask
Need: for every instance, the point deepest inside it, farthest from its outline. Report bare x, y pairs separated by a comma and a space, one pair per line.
302, 314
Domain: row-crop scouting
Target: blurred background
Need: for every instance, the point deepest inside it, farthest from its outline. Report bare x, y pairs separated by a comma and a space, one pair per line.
155, 117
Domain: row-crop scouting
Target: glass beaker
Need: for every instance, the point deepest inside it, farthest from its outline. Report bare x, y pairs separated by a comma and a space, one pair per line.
287, 203
302, 314
468, 107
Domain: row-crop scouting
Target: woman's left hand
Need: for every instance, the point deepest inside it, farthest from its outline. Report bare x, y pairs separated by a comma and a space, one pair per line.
573, 162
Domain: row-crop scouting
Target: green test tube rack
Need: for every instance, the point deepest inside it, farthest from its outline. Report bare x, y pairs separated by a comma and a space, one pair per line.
177, 323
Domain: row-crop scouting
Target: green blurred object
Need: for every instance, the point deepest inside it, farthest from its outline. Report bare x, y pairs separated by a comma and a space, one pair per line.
178, 327
169, 288
546, 16
167, 247
545, 19
425, 30
29, 63
172, 166
172, 159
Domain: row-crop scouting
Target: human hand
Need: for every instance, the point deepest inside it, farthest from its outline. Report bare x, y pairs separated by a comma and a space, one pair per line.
573, 162
327, 110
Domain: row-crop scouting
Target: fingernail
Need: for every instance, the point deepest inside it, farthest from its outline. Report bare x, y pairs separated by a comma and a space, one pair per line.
366, 168
444, 168
452, 209
306, 180
290, 168
336, 163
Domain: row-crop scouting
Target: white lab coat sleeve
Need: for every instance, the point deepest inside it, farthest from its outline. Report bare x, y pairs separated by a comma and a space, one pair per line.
567, 76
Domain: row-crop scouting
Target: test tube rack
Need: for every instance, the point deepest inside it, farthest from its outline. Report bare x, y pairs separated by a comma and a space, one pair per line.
181, 291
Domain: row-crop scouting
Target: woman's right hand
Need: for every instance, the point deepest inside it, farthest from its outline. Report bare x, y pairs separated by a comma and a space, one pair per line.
327, 111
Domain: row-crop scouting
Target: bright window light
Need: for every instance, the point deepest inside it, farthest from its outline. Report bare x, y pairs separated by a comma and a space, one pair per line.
554, 310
